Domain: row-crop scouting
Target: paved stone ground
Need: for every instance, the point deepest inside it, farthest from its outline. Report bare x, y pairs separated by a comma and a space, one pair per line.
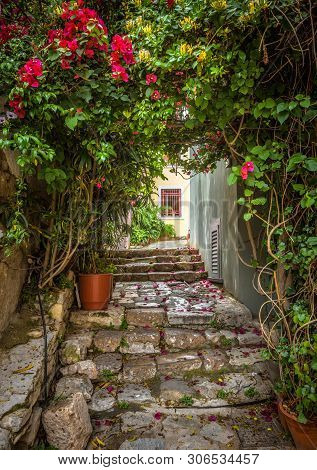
169, 365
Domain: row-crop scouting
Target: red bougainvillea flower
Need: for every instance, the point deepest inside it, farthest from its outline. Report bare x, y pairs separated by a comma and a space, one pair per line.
150, 78
30, 71
119, 73
157, 415
156, 95
89, 53
17, 106
123, 46
65, 64
83, 28
13, 30
248, 167
170, 3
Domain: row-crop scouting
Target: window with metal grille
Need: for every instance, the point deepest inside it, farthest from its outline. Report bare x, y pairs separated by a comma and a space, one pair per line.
171, 202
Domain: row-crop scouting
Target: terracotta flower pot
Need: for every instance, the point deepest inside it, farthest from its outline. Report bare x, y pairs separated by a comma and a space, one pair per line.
304, 435
95, 290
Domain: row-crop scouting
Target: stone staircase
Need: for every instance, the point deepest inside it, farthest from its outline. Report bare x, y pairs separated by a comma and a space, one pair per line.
169, 365
182, 264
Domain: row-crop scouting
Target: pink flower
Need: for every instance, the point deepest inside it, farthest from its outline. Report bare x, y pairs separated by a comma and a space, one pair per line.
150, 78
30, 71
119, 73
156, 95
157, 415
244, 173
212, 418
65, 64
72, 45
89, 53
99, 186
248, 167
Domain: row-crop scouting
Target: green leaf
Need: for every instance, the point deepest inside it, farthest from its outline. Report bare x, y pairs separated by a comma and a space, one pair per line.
248, 192
232, 178
311, 164
282, 107
269, 103
71, 122
281, 117
241, 201
295, 160
190, 124
85, 94
314, 360
302, 418
247, 216
260, 201
257, 150
305, 103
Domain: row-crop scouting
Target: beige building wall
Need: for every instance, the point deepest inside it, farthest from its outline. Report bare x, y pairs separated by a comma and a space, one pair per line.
175, 181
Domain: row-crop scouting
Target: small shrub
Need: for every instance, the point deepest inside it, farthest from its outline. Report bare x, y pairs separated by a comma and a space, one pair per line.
107, 375
251, 392
186, 400
123, 405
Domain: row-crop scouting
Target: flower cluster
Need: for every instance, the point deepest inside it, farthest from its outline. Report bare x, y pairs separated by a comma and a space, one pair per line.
9, 31
156, 95
247, 167
84, 34
30, 72
100, 182
121, 50
17, 106
150, 78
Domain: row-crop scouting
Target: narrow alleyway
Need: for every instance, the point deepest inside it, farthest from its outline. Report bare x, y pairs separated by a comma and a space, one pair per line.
174, 363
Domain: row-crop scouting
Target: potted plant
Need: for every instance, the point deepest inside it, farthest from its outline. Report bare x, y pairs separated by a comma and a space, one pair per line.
295, 352
96, 281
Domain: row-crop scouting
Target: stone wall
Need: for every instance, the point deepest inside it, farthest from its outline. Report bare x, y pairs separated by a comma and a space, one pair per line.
22, 371
13, 269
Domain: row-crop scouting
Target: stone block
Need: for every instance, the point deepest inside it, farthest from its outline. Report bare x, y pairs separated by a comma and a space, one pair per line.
67, 423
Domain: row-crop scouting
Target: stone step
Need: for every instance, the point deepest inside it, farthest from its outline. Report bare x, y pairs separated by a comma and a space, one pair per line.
157, 259
186, 276
160, 267
146, 252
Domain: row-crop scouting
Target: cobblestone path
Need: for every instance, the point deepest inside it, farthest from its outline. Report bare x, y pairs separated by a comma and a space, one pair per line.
172, 364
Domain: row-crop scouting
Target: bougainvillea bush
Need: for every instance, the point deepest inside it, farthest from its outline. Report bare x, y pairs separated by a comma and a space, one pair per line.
63, 120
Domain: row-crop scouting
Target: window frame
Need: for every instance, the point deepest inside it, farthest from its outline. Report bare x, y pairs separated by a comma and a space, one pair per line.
181, 199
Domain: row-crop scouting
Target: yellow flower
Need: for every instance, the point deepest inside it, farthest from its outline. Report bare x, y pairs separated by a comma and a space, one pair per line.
202, 56
129, 25
139, 20
144, 55
188, 23
219, 4
251, 8
58, 11
147, 29
185, 49
138, 3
